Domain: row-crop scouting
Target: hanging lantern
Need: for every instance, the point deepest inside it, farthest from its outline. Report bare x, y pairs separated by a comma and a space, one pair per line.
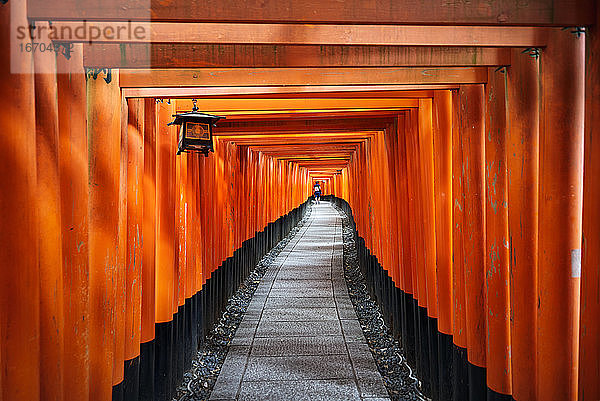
196, 131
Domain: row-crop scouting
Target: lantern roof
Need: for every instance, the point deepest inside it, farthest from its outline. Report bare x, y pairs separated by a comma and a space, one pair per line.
195, 115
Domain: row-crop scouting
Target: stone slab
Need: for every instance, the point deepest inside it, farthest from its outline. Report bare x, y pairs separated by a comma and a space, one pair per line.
230, 377
305, 390
307, 328
301, 284
304, 367
304, 274
304, 302
352, 331
299, 314
290, 346
302, 292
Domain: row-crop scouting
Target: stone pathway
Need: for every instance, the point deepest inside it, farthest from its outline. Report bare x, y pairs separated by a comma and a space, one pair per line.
300, 338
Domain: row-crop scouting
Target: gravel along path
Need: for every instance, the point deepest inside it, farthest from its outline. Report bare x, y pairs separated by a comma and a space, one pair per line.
398, 377
199, 381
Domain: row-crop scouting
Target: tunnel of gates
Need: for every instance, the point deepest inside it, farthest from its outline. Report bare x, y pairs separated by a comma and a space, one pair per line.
473, 194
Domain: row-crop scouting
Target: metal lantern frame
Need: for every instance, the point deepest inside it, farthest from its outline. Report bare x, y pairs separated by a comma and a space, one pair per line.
196, 131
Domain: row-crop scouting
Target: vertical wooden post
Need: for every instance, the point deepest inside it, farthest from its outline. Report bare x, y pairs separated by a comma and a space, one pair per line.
189, 224
426, 164
49, 234
523, 183
198, 227
165, 249
417, 212
425, 138
104, 135
135, 213
472, 109
19, 269
119, 286
589, 346
497, 314
408, 332
442, 153
180, 264
459, 326
148, 304
560, 215
73, 159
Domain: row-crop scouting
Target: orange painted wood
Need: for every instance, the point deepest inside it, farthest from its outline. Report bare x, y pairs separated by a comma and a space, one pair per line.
197, 216
205, 273
498, 351
560, 215
149, 223
180, 229
472, 109
165, 214
135, 221
523, 172
230, 106
480, 12
415, 209
73, 160
428, 203
405, 227
189, 224
104, 133
442, 153
119, 284
19, 257
289, 91
459, 334
379, 181
300, 76
310, 34
187, 55
395, 240
589, 340
49, 214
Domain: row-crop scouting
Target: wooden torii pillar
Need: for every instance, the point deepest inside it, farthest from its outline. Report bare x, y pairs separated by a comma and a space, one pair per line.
560, 202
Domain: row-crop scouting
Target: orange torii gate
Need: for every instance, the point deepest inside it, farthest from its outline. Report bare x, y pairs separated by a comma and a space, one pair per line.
464, 166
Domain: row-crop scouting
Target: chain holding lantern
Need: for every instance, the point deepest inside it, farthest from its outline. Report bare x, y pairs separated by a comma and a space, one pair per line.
196, 131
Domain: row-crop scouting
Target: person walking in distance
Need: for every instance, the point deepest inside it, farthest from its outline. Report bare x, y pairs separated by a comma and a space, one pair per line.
317, 191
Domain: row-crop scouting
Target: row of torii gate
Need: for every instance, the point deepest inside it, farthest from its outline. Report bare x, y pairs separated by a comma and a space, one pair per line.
393, 105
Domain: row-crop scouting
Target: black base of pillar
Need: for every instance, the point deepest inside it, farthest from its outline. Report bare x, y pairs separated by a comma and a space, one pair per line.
163, 361
147, 371
432, 340
494, 396
117, 392
408, 329
477, 383
460, 382
131, 387
445, 371
424, 367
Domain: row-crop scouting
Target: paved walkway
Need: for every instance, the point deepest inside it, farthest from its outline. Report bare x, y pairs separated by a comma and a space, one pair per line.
300, 338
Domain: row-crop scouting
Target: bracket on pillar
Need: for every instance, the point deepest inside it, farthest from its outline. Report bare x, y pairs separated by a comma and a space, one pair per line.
576, 30
94, 72
162, 100
533, 52
501, 69
64, 48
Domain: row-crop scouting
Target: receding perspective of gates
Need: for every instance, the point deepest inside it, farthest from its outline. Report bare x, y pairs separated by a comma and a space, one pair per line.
153, 152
